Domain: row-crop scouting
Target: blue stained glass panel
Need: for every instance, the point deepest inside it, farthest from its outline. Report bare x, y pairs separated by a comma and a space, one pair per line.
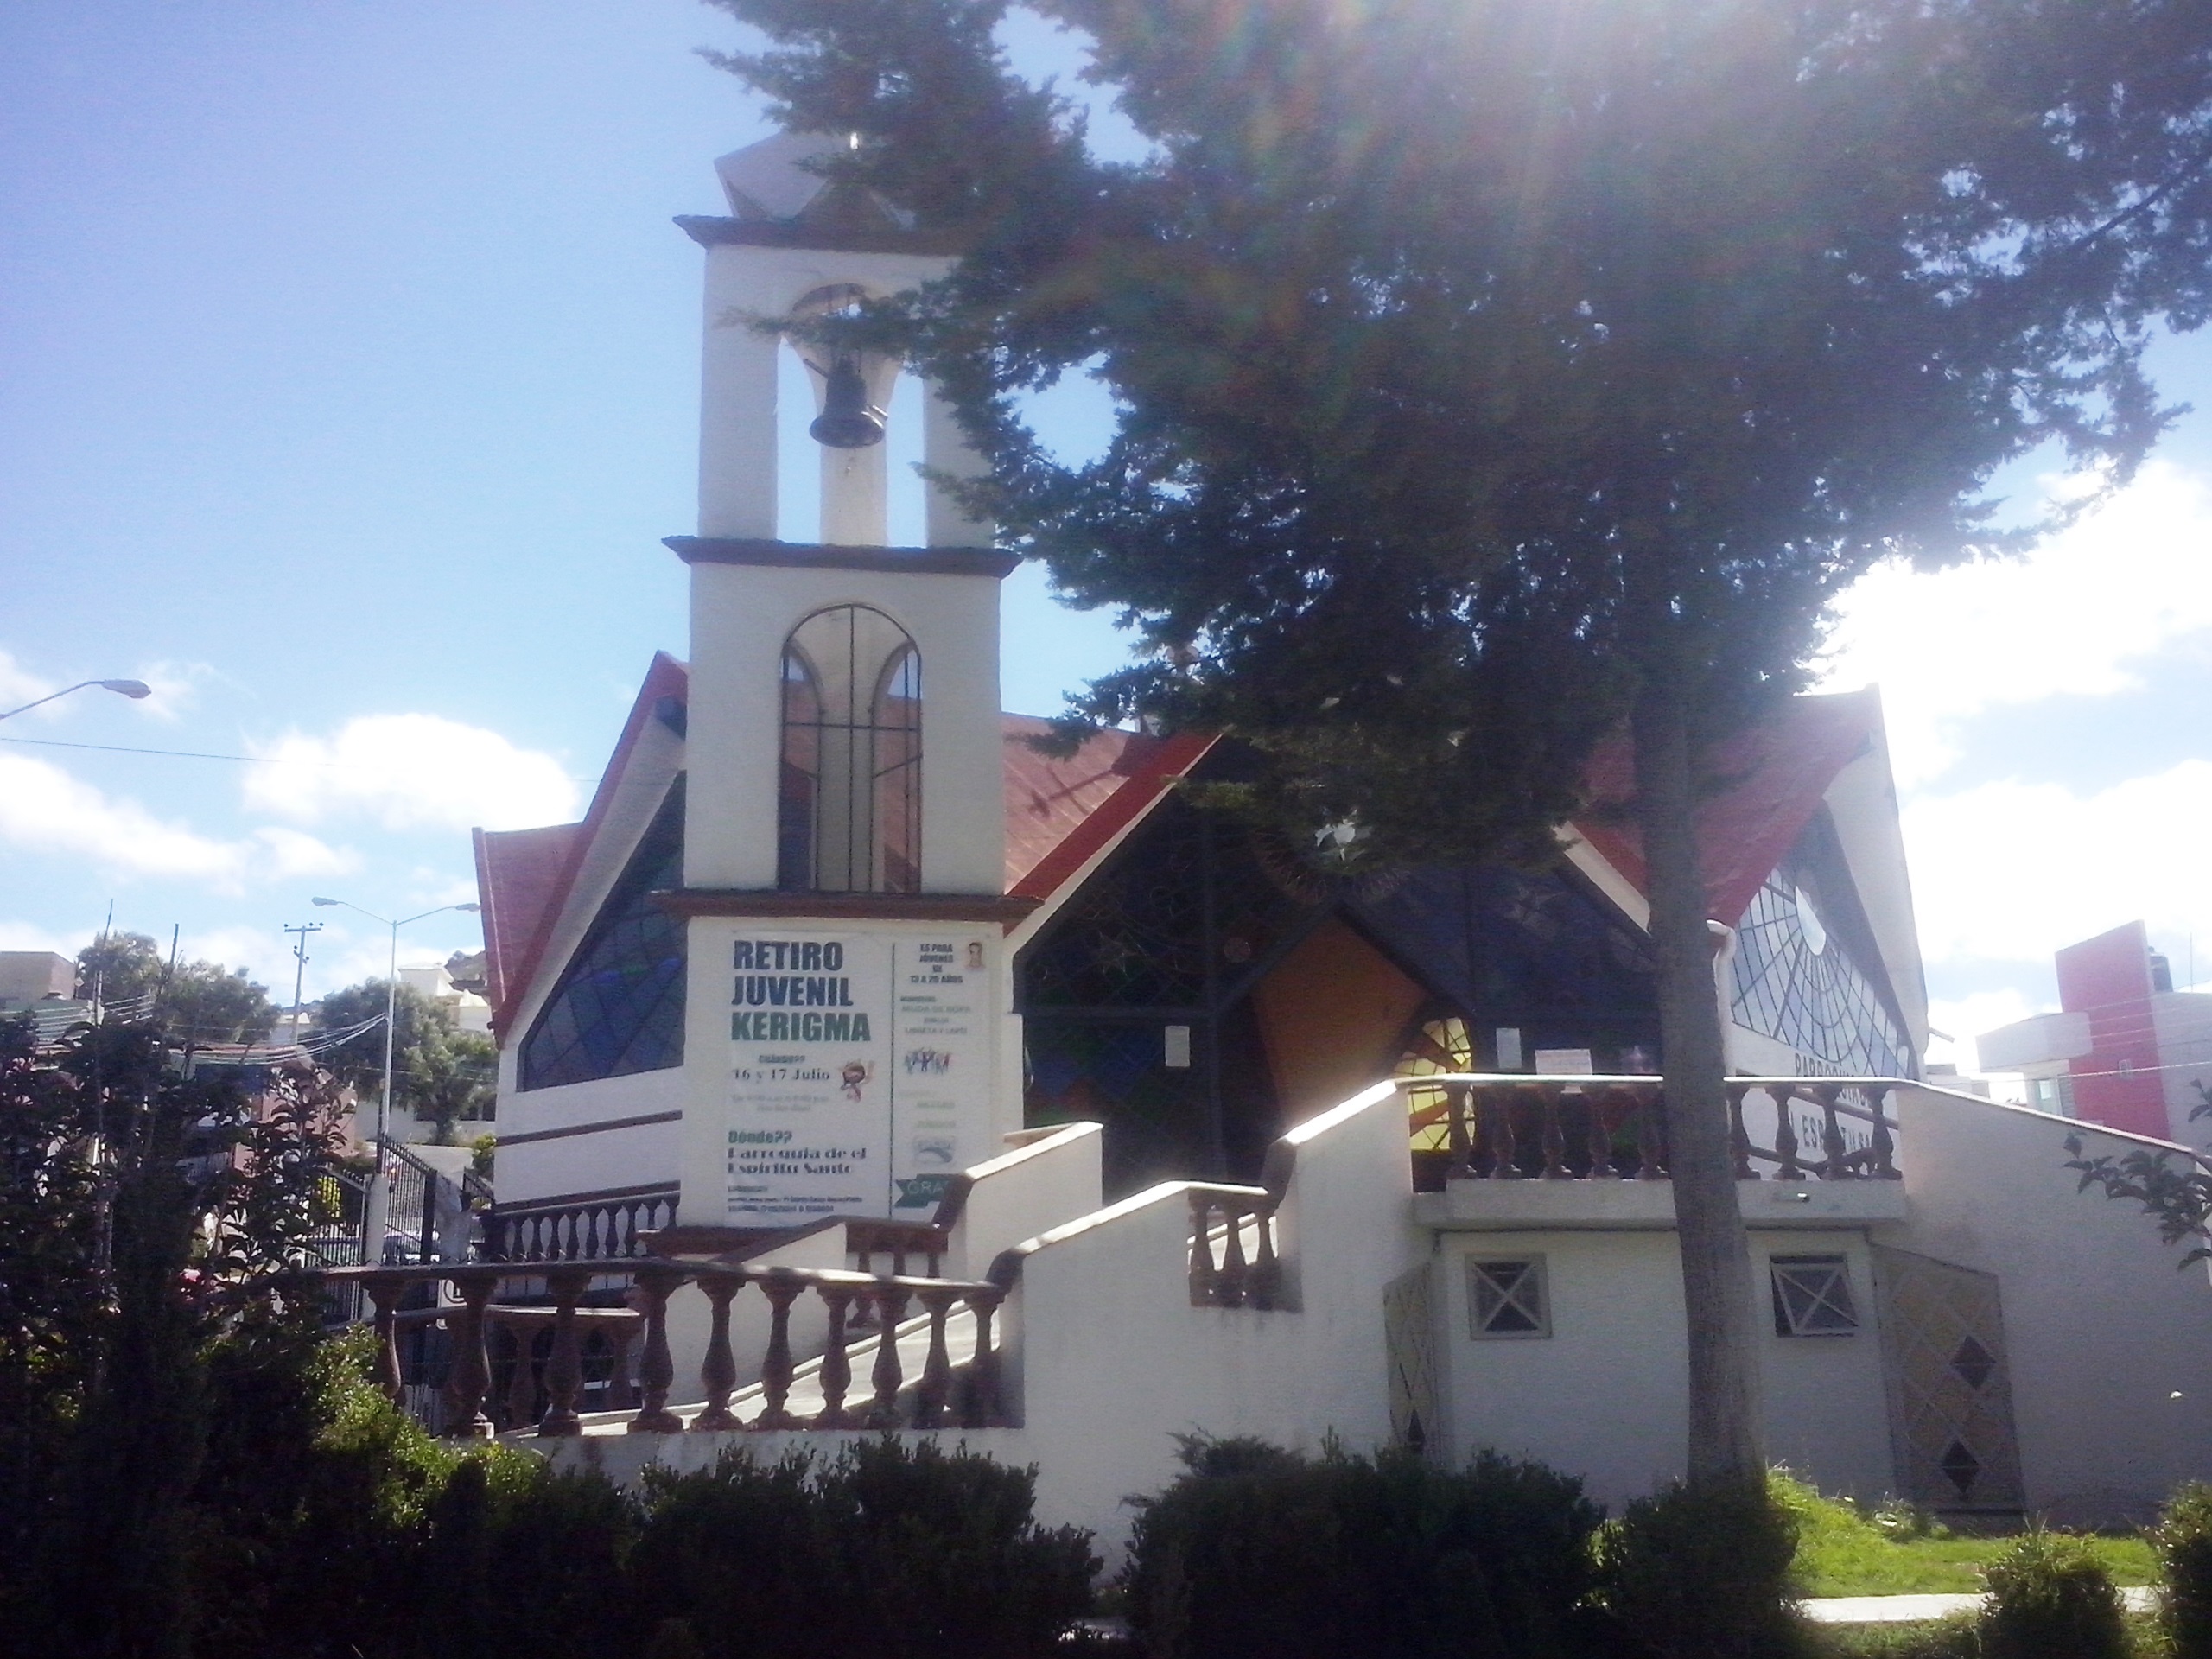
618, 1008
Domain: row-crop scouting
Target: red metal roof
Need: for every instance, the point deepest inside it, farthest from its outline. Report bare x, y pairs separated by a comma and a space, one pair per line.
518, 882
1061, 813
1770, 778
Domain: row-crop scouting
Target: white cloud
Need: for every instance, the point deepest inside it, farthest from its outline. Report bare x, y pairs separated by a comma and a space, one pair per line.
1968, 1017
25, 936
411, 771
2067, 621
176, 687
43, 808
2011, 871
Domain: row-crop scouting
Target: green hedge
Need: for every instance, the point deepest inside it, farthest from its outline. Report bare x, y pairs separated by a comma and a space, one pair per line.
1256, 1551
1705, 1574
324, 1524
2050, 1598
2183, 1540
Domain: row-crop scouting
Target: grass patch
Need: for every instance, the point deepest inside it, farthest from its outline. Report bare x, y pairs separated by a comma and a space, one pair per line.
1954, 1638
1844, 1551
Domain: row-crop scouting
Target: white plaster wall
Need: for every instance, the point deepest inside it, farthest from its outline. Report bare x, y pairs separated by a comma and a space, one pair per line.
2104, 1332
1750, 1054
2182, 1023
1604, 1397
1108, 1360
741, 616
1024, 1193
635, 1156
737, 390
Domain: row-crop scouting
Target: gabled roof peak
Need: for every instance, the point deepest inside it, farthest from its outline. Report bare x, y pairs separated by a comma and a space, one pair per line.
775, 182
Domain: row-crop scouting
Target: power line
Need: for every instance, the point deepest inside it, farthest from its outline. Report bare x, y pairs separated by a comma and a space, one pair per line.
208, 754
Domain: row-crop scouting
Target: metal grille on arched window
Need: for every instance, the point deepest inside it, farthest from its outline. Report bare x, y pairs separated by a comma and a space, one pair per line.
849, 798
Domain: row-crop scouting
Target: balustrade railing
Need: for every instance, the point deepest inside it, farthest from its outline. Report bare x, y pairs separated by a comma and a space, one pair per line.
1500, 1128
580, 1229
1223, 1218
940, 1394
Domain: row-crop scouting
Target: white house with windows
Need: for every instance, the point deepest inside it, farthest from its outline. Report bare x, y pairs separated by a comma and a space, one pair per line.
935, 1083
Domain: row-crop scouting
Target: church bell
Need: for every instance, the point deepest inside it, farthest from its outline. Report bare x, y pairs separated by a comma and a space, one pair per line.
847, 420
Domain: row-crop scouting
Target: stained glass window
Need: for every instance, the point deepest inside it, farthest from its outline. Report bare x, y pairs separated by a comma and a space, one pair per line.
618, 1008
850, 800
1440, 1047
1806, 972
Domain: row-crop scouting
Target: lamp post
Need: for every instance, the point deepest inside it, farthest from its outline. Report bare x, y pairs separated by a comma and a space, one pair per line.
373, 1208
133, 688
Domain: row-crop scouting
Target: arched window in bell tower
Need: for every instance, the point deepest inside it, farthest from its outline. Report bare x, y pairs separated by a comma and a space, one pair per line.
849, 816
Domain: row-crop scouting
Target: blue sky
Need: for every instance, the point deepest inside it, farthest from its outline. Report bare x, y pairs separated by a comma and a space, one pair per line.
350, 380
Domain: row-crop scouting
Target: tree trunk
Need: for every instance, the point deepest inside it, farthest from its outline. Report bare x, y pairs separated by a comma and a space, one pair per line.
1726, 1433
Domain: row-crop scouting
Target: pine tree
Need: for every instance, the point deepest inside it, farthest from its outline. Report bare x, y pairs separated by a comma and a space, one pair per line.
1490, 376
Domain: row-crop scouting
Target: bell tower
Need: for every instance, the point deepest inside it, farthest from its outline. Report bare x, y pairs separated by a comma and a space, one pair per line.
843, 884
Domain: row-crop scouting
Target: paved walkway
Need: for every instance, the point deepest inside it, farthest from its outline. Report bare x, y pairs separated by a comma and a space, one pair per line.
1906, 1609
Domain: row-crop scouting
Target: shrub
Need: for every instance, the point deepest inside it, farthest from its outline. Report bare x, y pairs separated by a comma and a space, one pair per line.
907, 1552
1256, 1550
2049, 1598
311, 1501
940, 1551
518, 1561
2183, 1540
1696, 1574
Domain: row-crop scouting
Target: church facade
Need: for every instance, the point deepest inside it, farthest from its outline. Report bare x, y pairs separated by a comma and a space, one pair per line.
838, 960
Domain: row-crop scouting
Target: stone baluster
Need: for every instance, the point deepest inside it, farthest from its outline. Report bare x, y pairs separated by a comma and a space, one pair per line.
935, 1393
622, 1380
781, 1287
1462, 1166
883, 1408
1552, 1102
1651, 1156
1267, 1269
1497, 1107
564, 1370
836, 1364
384, 1291
470, 1377
1202, 1267
718, 1372
1598, 1135
1739, 1138
1785, 1135
1832, 1166
657, 1370
1229, 1286
982, 1409
520, 1405
1885, 1146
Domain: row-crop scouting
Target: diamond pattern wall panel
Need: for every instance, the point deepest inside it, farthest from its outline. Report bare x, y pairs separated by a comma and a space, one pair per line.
1950, 1387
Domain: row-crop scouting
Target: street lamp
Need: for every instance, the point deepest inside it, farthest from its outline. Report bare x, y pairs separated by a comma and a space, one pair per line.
133, 688
372, 1207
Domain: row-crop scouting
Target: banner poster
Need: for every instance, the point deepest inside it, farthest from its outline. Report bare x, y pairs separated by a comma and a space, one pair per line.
860, 1064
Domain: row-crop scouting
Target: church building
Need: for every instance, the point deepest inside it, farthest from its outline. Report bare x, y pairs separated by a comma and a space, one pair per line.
840, 976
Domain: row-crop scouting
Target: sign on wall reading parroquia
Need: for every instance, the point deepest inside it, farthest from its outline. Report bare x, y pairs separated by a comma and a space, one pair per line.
858, 1063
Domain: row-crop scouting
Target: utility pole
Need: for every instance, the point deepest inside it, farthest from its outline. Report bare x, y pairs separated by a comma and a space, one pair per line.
299, 976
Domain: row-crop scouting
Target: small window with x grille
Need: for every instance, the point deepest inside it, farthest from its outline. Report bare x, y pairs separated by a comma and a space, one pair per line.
1812, 1297
1506, 1297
